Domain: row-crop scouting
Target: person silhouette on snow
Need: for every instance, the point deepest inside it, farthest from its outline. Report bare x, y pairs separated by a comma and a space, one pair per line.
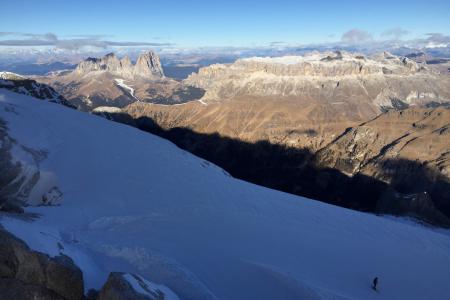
375, 283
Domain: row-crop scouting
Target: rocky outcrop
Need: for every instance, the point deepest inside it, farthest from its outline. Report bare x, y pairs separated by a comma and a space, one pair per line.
333, 78
30, 87
27, 274
22, 182
122, 286
16, 179
148, 66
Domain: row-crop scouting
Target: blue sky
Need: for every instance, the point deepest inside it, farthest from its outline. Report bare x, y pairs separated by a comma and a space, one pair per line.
224, 23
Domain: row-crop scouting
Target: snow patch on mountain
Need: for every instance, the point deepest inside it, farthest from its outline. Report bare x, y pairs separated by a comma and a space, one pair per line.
121, 83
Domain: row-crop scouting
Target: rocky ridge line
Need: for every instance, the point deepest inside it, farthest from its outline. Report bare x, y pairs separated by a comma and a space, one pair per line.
147, 66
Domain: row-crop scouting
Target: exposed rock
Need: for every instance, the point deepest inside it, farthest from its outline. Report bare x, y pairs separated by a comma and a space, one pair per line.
64, 277
15, 184
31, 267
21, 180
23, 85
10, 206
92, 294
18, 290
332, 78
148, 66
8, 261
27, 274
122, 286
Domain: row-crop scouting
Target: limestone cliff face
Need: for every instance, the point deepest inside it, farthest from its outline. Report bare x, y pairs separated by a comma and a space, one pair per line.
148, 66
382, 81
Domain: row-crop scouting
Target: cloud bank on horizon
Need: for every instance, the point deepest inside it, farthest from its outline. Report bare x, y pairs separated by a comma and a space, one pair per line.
74, 43
352, 37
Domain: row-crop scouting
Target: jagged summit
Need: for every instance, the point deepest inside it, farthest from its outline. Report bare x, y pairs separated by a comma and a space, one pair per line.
147, 66
148, 63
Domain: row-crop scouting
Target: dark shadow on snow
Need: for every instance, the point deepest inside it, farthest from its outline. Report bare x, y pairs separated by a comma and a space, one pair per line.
423, 193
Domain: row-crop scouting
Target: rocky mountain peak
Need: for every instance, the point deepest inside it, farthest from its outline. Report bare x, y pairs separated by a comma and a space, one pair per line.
148, 66
126, 61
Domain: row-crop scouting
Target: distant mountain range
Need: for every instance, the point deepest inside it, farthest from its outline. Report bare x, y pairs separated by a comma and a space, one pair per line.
36, 61
320, 115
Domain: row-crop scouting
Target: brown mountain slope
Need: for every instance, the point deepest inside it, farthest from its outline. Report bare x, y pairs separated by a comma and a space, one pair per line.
416, 134
299, 122
422, 135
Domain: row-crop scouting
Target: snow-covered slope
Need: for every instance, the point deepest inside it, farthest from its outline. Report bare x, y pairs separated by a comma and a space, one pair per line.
133, 202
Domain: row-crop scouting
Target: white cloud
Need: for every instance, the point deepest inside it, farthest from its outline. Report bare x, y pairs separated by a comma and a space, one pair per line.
395, 33
51, 39
356, 36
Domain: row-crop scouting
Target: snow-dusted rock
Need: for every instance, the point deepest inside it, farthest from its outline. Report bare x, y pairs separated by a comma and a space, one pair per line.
30, 87
125, 286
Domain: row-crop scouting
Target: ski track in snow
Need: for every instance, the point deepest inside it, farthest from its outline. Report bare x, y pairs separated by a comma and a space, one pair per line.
135, 203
